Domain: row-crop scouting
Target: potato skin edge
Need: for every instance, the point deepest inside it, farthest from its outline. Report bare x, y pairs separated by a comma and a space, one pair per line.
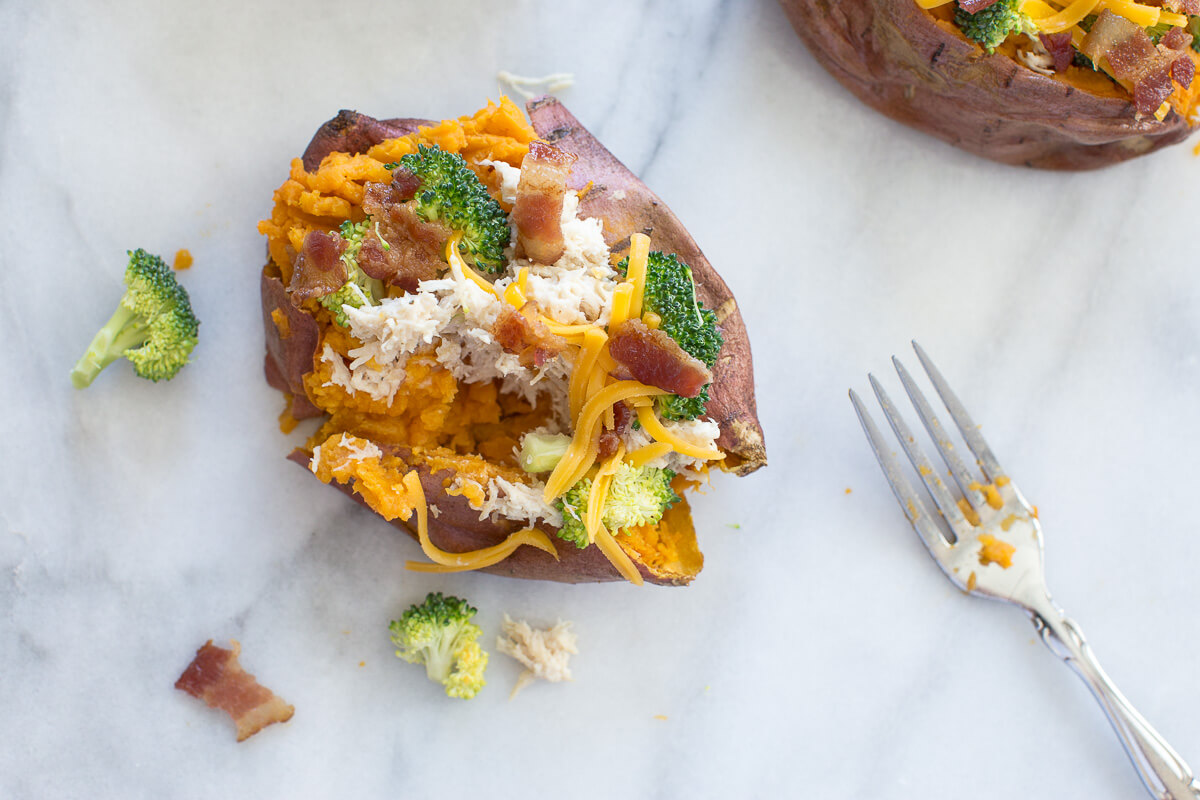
896, 59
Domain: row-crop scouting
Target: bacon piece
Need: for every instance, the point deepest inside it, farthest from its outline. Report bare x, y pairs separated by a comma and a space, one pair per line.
1133, 59
1183, 70
520, 332
1189, 7
537, 211
319, 269
216, 677
654, 358
975, 6
411, 249
1176, 39
611, 438
1058, 45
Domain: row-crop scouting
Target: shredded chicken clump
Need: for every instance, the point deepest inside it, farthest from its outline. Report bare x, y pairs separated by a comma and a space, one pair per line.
543, 652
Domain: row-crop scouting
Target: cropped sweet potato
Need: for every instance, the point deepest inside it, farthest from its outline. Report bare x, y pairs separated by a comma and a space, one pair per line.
612, 193
919, 70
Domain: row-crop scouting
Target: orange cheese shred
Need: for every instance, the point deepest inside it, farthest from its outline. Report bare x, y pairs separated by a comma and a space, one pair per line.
639, 253
599, 492
618, 557
659, 433
444, 561
455, 260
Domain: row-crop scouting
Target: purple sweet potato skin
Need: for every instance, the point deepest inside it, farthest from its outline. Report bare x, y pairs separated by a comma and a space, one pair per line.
895, 58
627, 206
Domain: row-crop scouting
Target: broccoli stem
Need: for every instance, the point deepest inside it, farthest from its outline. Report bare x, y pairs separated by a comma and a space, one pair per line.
124, 329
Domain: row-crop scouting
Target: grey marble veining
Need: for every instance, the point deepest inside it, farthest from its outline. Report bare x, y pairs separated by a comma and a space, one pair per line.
819, 654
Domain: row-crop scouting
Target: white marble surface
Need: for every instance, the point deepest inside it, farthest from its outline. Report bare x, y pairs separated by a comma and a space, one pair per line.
819, 654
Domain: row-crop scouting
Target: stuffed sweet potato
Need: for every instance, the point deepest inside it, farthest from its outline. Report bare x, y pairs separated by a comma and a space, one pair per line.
1041, 83
521, 356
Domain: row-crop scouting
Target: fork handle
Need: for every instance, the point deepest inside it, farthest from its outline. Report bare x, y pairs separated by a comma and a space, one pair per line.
1165, 774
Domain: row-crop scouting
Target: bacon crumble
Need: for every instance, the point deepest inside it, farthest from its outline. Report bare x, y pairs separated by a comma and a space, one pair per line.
319, 269
537, 210
216, 677
654, 358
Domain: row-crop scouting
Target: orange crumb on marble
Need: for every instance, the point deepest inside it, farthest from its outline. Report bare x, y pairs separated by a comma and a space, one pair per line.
661, 717
183, 260
848, 490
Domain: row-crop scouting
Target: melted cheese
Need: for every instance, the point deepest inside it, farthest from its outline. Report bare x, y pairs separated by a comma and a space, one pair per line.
599, 492
475, 559
618, 557
581, 454
659, 433
1068, 17
639, 253
622, 297
644, 455
453, 259
593, 340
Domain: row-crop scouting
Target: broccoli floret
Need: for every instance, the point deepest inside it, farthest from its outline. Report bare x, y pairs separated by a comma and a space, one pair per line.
989, 27
1193, 27
671, 294
452, 194
153, 326
439, 634
360, 289
636, 496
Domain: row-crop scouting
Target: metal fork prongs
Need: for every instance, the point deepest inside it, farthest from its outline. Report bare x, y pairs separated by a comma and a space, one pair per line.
987, 539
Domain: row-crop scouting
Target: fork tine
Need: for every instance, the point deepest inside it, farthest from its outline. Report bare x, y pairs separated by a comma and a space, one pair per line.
962, 476
970, 431
912, 504
937, 489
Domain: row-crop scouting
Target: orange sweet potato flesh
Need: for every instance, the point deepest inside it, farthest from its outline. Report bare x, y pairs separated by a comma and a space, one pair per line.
292, 344
918, 70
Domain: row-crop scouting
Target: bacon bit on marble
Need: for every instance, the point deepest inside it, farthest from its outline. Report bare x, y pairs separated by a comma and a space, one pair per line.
319, 269
537, 210
654, 358
216, 677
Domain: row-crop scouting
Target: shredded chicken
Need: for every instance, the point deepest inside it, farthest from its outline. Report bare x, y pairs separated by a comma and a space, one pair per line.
543, 652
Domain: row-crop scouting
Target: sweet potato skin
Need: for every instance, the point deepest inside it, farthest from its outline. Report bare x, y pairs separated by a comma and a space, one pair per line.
457, 527
895, 58
627, 206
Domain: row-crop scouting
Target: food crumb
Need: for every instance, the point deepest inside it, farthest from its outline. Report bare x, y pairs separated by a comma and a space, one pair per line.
1196, 149
362, 663
734, 525
848, 490
661, 717
995, 551
971, 582
543, 652
183, 260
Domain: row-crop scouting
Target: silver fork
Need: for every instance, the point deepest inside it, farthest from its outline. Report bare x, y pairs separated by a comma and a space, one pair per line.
995, 518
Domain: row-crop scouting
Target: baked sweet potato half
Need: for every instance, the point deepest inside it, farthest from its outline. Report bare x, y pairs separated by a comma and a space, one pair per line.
1041, 83
520, 355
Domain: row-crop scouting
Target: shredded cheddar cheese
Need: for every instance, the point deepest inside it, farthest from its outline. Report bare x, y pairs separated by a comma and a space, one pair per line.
619, 559
639, 255
659, 433
599, 492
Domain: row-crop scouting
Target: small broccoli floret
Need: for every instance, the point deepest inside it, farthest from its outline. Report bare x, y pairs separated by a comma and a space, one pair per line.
452, 194
989, 27
360, 289
153, 326
439, 634
636, 496
541, 452
671, 294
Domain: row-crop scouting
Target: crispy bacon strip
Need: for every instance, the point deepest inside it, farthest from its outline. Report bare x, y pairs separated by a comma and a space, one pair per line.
1133, 58
216, 677
1058, 45
410, 250
526, 336
654, 358
537, 211
319, 269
